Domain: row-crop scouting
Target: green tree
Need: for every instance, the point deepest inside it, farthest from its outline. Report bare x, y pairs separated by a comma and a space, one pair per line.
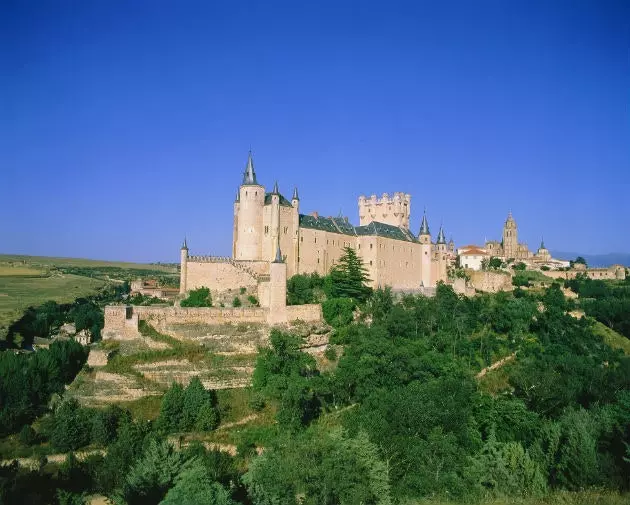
194, 486
171, 410
349, 278
319, 468
338, 312
196, 398
71, 426
152, 475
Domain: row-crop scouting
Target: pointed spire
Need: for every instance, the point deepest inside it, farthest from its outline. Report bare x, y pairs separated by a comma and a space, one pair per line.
278, 253
249, 176
275, 191
295, 194
451, 240
542, 243
441, 239
184, 244
424, 227
238, 196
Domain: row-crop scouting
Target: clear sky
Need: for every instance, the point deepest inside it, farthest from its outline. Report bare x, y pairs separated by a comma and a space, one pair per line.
125, 125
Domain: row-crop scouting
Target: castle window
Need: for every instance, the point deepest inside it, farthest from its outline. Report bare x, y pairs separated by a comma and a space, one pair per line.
255, 193
266, 230
359, 246
316, 240
371, 245
301, 239
370, 262
286, 228
317, 260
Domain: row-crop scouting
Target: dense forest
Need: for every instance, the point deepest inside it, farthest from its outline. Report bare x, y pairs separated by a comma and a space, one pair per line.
408, 411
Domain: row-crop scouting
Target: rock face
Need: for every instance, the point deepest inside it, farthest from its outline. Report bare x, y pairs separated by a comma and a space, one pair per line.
97, 358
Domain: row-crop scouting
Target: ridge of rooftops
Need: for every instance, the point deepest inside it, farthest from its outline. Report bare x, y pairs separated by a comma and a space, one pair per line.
342, 226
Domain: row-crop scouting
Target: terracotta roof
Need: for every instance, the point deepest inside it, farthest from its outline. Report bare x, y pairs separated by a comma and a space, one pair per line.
473, 251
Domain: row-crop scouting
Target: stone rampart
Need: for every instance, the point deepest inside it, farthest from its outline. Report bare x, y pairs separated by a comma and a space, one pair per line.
490, 282
615, 272
122, 321
312, 312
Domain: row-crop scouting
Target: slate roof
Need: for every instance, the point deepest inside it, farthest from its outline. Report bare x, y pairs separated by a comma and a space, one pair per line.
283, 201
342, 226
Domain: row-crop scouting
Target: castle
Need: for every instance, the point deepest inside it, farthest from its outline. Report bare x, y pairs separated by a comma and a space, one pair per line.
268, 229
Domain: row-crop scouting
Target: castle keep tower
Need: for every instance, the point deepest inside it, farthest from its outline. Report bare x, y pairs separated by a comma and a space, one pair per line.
425, 251
394, 210
510, 237
248, 213
183, 273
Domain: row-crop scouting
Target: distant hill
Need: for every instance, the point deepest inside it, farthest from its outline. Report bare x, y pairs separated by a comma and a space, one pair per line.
596, 260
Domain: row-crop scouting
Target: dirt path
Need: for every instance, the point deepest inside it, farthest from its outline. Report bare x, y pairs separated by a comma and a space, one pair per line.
496, 365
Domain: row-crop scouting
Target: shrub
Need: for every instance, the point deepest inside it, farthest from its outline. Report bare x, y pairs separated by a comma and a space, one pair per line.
338, 311
198, 298
253, 300
236, 302
545, 268
242, 290
330, 354
257, 402
27, 436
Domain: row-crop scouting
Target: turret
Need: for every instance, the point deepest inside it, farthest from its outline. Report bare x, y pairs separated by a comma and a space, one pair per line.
425, 250
248, 212
277, 289
295, 217
183, 267
440, 246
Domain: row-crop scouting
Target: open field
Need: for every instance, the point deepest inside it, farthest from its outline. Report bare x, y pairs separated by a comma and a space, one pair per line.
32, 280
21, 291
46, 261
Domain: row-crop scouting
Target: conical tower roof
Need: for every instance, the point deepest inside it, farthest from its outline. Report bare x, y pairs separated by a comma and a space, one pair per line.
249, 176
441, 239
276, 191
295, 194
278, 253
424, 226
184, 244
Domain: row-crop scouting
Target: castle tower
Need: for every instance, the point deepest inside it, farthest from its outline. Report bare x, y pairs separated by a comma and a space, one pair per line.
510, 237
248, 213
295, 202
277, 289
425, 251
183, 269
441, 250
451, 245
275, 218
394, 210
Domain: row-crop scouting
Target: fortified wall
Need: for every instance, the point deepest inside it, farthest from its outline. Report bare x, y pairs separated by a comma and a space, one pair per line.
121, 321
615, 272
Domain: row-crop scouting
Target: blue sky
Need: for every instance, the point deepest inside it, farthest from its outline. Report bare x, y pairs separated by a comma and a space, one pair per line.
125, 125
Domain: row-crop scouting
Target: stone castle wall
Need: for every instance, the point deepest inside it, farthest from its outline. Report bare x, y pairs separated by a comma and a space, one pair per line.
490, 282
121, 321
615, 272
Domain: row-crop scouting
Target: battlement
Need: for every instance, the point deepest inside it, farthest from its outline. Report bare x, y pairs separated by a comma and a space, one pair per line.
394, 210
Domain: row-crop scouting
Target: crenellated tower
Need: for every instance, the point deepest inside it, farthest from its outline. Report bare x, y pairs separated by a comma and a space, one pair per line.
248, 215
394, 210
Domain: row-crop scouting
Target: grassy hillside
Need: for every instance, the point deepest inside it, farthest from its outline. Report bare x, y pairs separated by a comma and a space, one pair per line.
47, 261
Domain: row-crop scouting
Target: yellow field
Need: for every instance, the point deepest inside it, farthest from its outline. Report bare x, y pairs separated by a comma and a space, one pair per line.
7, 270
